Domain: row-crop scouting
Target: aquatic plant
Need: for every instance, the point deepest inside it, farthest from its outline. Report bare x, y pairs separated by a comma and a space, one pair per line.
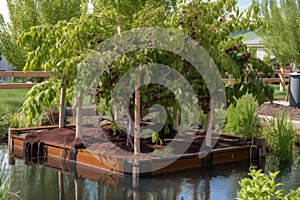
279, 133
284, 134
5, 182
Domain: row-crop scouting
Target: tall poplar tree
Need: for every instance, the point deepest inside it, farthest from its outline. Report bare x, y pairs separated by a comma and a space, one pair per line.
282, 29
27, 13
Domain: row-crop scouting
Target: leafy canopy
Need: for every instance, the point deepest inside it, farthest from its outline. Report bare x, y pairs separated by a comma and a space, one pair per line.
60, 47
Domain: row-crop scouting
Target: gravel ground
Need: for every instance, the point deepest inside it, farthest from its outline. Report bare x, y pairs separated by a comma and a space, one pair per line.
273, 109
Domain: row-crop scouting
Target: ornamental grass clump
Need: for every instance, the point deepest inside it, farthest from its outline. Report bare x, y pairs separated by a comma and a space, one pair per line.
283, 131
242, 119
5, 183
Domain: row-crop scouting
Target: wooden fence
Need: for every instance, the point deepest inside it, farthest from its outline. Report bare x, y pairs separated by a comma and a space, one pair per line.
20, 74
282, 79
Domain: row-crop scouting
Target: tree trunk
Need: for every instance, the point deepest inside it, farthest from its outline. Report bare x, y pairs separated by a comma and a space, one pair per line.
62, 107
79, 118
137, 108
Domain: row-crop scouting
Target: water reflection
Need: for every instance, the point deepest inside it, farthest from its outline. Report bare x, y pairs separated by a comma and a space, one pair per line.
219, 182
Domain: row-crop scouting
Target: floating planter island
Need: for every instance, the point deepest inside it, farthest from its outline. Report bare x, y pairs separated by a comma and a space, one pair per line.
41, 145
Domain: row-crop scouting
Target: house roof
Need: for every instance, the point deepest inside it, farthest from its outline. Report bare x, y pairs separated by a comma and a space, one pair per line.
257, 42
253, 40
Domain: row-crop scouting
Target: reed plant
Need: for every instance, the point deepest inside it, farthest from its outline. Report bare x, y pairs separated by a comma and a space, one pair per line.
5, 183
280, 135
284, 130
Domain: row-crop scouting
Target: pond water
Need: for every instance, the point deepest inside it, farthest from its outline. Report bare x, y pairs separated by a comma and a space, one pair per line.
219, 182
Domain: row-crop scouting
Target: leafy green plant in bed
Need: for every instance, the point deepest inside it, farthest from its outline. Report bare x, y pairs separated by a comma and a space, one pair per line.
264, 187
154, 136
242, 119
162, 152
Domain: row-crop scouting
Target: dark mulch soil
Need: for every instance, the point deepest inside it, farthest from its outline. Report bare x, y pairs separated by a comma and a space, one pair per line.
63, 136
273, 109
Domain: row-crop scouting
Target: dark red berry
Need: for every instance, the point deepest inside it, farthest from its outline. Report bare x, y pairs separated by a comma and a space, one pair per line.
149, 43
180, 21
193, 32
98, 41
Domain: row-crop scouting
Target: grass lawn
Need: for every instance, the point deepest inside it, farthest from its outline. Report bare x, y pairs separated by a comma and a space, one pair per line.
13, 98
279, 95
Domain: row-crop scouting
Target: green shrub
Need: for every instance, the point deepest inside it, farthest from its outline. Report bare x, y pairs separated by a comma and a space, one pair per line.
242, 119
263, 187
5, 120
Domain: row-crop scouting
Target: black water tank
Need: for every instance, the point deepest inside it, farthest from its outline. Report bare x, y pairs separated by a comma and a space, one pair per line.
295, 89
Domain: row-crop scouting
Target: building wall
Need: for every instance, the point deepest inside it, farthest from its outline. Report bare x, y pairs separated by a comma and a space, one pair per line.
4, 66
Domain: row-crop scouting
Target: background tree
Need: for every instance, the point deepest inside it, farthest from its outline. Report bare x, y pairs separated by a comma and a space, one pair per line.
281, 31
27, 13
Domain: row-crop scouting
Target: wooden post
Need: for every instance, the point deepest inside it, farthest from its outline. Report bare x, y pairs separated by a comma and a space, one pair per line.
11, 158
62, 107
135, 179
78, 188
176, 121
261, 143
137, 147
282, 78
208, 137
60, 185
137, 110
79, 118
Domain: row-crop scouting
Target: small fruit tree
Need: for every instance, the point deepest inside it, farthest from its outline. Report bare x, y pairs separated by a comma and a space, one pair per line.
210, 24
